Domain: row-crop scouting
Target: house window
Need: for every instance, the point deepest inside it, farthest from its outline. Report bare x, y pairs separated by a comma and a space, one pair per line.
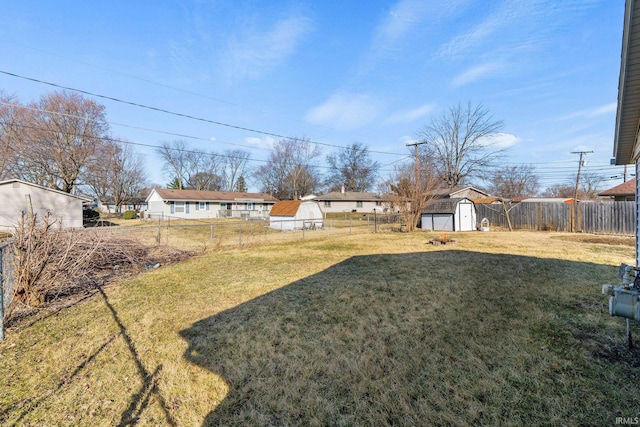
378, 203
327, 203
358, 204
179, 207
249, 206
202, 205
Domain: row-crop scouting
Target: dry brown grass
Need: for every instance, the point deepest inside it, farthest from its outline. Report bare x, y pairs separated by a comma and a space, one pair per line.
498, 329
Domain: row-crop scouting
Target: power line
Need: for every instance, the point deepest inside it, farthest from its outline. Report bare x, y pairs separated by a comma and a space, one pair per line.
187, 116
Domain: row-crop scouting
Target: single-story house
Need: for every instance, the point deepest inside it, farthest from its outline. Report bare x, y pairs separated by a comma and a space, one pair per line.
296, 215
457, 193
625, 192
354, 201
164, 203
109, 206
17, 196
626, 141
449, 214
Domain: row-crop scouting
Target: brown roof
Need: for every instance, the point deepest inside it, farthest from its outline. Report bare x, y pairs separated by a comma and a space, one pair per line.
353, 196
201, 195
487, 200
627, 188
285, 208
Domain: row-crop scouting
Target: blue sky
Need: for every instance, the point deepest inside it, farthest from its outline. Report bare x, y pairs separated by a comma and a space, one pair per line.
335, 72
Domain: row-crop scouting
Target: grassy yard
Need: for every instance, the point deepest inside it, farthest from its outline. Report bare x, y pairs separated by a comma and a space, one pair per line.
373, 330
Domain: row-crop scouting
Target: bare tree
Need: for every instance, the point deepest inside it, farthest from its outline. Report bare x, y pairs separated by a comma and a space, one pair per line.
203, 171
9, 135
117, 175
588, 188
290, 171
590, 185
234, 166
461, 142
514, 181
412, 192
174, 154
59, 136
353, 168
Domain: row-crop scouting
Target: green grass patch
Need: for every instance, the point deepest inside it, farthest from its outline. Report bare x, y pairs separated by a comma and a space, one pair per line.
377, 329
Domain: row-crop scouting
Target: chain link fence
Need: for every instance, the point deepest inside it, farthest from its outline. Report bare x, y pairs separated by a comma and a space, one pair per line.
203, 235
7, 281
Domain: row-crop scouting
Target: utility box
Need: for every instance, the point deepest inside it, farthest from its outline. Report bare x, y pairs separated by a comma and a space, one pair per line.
624, 300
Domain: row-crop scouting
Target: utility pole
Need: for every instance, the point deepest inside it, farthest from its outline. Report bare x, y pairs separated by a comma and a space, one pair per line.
574, 225
415, 202
582, 153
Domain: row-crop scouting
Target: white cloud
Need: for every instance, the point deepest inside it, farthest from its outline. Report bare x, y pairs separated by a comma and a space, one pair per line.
476, 73
254, 52
345, 111
264, 142
408, 140
591, 112
501, 140
410, 115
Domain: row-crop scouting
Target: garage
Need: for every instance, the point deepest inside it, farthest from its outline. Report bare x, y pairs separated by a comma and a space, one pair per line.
457, 214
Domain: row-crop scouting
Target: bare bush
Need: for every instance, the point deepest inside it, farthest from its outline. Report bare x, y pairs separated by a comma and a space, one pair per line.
49, 263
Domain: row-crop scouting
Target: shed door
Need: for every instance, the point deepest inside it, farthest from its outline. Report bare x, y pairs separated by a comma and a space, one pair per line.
442, 222
437, 222
466, 219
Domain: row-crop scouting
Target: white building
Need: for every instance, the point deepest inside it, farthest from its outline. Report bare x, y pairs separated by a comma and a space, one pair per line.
18, 196
354, 201
165, 203
457, 214
296, 215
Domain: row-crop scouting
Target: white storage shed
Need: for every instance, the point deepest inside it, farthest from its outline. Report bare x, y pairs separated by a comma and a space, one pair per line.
296, 215
17, 196
456, 214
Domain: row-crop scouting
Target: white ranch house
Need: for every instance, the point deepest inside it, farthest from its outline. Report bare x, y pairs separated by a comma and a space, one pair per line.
353, 201
196, 204
16, 195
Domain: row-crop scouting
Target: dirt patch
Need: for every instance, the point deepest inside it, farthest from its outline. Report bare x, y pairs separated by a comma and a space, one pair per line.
600, 239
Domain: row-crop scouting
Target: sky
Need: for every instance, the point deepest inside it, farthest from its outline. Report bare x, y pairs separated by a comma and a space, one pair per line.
236, 74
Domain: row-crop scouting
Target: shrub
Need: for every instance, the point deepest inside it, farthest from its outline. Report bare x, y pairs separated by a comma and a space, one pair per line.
129, 215
90, 214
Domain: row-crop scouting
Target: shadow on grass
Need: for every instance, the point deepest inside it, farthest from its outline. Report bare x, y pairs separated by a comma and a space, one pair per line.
436, 338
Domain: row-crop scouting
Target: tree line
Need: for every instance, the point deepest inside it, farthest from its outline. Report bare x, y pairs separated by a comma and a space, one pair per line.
63, 141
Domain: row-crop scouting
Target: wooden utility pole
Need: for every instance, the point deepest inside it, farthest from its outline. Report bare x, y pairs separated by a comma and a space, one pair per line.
574, 217
582, 153
416, 188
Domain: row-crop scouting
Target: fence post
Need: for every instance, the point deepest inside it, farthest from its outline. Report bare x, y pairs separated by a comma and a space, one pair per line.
158, 236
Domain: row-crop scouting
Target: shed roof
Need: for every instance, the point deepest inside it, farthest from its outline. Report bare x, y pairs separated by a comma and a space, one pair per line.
444, 205
53, 190
627, 188
285, 208
202, 195
487, 200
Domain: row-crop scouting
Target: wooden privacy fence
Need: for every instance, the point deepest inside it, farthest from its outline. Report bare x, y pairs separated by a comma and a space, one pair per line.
589, 217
